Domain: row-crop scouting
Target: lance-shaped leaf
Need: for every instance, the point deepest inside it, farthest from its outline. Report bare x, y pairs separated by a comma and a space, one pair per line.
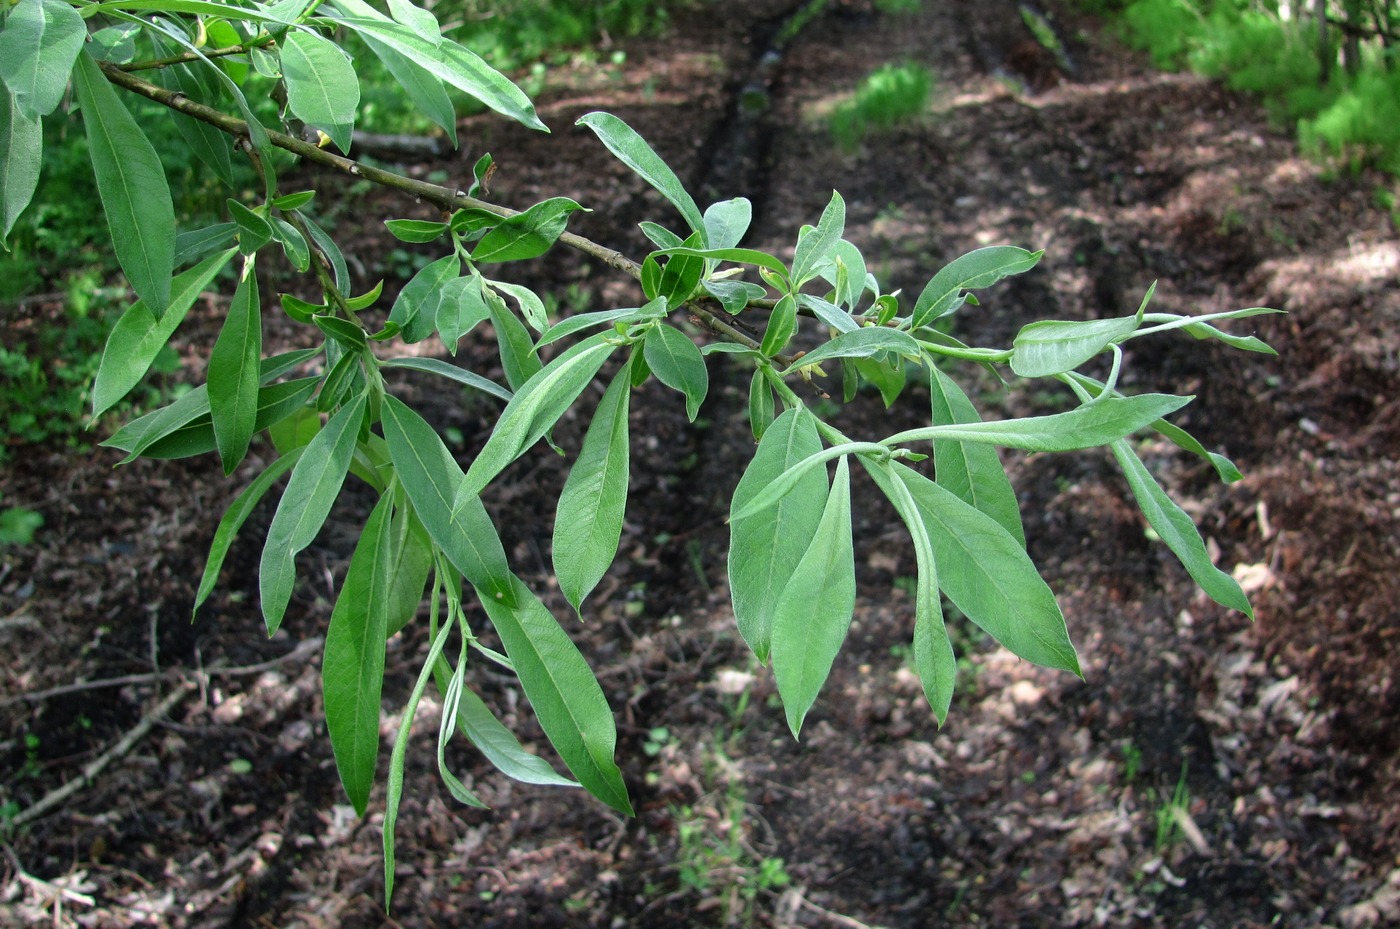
815, 608
970, 470
1087, 426
139, 335
528, 234
447, 725
417, 305
234, 518
411, 558
761, 407
457, 522
519, 359
452, 372
323, 90
21, 154
1176, 529
444, 59
233, 373
588, 522
859, 343
531, 306
678, 364
765, 548
500, 746
535, 409
814, 246
1053, 346
209, 144
423, 88
633, 151
184, 431
310, 493
973, 271
39, 41
934, 659
131, 184
782, 326
461, 309
352, 669
988, 575
565, 695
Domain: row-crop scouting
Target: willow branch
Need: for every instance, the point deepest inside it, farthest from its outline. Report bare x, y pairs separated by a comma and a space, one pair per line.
447, 199
188, 57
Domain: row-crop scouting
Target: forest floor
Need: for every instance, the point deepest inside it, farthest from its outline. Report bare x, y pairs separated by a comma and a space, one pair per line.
1207, 772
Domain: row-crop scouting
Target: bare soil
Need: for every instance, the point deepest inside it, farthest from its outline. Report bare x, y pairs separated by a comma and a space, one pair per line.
1045, 801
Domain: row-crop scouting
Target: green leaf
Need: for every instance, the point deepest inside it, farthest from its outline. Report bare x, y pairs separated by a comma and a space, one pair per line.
743, 256
633, 151
308, 499
411, 559
831, 314
847, 275
814, 247
1053, 346
457, 522
233, 373
209, 144
39, 41
294, 244
352, 668
565, 695
761, 407
680, 276
588, 522
973, 271
934, 659
185, 428
415, 230
678, 364
1245, 343
567, 327
461, 309
451, 701
197, 244
131, 184
500, 746
332, 253
1175, 528
234, 518
888, 377
536, 407
859, 343
727, 221
987, 574
518, 357
1087, 426
254, 231
323, 90
764, 549
451, 371
782, 326
445, 60
531, 306
733, 296
139, 336
294, 201
971, 471
21, 155
528, 234
349, 335
814, 611
416, 308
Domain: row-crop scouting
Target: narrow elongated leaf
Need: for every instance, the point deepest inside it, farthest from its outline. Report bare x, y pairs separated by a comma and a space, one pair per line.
528, 234
21, 155
457, 523
315, 483
197, 244
847, 274
535, 409
531, 306
39, 41
632, 150
209, 144
452, 372
761, 407
444, 59
180, 431
447, 725
1083, 427
411, 557
131, 184
519, 359
233, 373
352, 668
786, 482
678, 364
323, 90
582, 321
832, 315
782, 326
815, 608
500, 746
565, 695
859, 343
743, 256
1176, 529
975, 270
234, 518
254, 230
294, 244
588, 521
934, 659
970, 470
417, 231
139, 335
1054, 346
987, 574
814, 248
423, 88
764, 549
326, 245
416, 308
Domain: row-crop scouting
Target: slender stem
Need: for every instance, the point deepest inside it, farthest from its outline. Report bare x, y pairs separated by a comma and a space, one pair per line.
187, 57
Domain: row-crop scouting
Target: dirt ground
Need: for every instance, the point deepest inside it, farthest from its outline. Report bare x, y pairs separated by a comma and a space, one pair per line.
1208, 772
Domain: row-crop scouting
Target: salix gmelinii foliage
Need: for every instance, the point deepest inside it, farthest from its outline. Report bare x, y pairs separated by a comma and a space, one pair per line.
430, 540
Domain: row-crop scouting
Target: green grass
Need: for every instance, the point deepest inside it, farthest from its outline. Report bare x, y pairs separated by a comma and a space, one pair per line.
891, 95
